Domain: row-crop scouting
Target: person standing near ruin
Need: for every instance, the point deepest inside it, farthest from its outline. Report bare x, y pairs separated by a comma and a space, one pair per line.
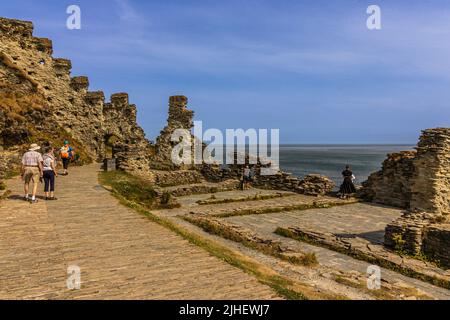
347, 187
31, 171
67, 154
49, 173
246, 179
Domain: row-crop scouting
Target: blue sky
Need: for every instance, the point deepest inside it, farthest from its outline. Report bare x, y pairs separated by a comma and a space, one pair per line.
310, 68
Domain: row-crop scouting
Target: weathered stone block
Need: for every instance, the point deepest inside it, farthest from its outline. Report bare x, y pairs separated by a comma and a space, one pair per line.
80, 83
12, 27
120, 99
95, 97
44, 45
62, 66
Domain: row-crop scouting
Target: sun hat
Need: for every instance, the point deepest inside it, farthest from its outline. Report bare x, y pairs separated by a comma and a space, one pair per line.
34, 147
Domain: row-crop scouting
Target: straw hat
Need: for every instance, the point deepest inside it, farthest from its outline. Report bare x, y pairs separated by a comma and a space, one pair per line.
34, 147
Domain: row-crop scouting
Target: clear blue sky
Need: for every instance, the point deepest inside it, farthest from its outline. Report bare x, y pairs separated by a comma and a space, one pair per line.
310, 68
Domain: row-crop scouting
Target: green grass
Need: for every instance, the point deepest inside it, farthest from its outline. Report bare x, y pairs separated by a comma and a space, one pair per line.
243, 199
275, 209
132, 188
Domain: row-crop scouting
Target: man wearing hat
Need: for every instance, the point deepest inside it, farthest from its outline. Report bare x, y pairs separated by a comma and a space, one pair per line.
32, 171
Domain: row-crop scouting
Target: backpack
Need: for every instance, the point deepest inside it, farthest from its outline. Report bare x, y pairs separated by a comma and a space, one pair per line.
65, 154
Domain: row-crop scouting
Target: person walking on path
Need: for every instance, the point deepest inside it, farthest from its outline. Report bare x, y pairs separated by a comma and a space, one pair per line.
347, 187
67, 154
31, 171
49, 173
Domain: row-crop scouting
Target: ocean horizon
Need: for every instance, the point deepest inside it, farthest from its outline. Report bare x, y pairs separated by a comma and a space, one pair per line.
330, 159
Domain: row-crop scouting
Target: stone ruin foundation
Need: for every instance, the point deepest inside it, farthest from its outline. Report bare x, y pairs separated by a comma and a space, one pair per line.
418, 181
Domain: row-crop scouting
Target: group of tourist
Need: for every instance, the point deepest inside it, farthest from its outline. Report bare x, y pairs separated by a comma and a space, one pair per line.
37, 167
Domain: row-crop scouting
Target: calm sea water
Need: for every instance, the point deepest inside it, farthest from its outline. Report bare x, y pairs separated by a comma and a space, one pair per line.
330, 160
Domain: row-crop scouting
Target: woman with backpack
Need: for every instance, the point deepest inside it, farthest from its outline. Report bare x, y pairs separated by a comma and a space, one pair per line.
67, 154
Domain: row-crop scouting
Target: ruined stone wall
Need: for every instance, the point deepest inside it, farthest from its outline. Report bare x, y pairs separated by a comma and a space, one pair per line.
180, 117
312, 184
27, 64
392, 184
436, 243
419, 181
424, 178
430, 186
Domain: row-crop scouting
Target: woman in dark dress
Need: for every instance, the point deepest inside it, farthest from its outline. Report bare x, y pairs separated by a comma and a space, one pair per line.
347, 186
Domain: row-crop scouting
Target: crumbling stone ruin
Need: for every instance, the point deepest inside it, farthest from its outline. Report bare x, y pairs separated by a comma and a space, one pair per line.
180, 117
40, 101
418, 181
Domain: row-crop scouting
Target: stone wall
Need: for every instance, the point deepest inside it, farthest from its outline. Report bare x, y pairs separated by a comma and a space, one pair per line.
180, 117
416, 180
392, 184
436, 243
430, 185
312, 184
28, 67
420, 183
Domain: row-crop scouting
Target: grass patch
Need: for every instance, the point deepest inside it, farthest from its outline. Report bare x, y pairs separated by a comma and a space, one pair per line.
214, 200
137, 190
275, 209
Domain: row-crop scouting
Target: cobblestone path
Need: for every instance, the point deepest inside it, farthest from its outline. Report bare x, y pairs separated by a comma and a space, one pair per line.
121, 254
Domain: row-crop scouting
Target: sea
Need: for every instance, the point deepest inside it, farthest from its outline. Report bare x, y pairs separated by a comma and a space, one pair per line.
330, 160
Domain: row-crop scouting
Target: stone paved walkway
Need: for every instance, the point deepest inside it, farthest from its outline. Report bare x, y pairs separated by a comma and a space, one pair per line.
121, 254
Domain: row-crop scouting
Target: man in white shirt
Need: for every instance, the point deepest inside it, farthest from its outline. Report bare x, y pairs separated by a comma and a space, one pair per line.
31, 171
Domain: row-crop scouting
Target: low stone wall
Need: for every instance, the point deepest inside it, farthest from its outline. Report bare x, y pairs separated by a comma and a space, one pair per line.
406, 233
420, 234
436, 243
312, 184
174, 178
